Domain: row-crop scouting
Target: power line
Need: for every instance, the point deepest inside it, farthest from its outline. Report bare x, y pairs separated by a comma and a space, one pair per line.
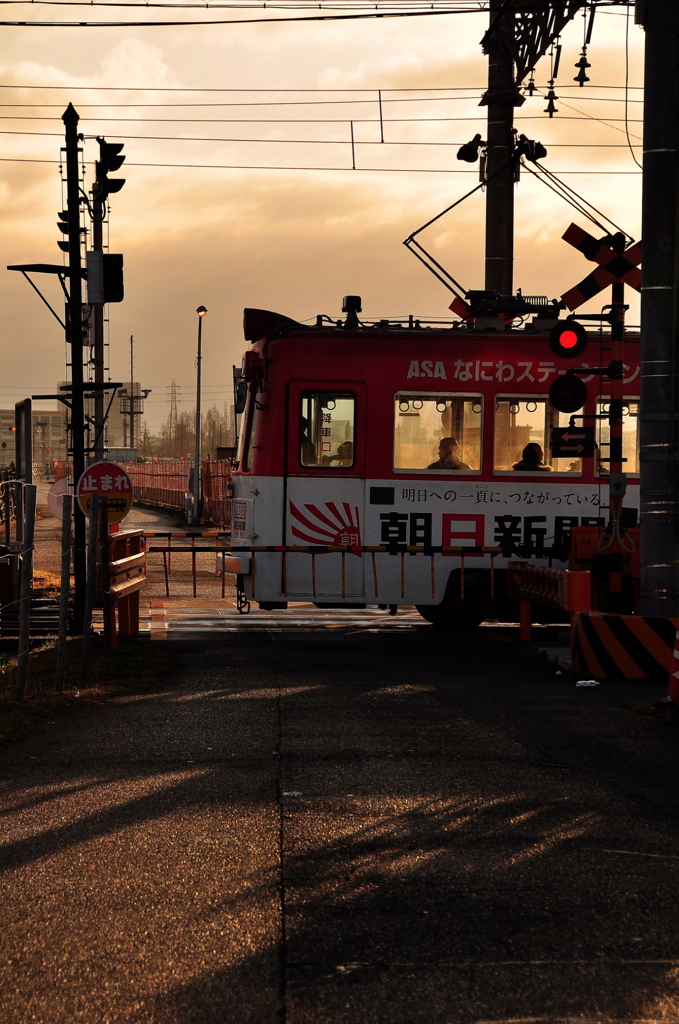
177, 88
266, 167
234, 21
480, 7
277, 103
627, 99
253, 103
343, 120
315, 142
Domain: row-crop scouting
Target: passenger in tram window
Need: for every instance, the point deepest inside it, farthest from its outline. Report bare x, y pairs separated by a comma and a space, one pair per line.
448, 458
532, 460
344, 455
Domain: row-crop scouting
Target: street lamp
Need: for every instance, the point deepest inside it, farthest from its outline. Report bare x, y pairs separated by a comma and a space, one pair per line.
195, 512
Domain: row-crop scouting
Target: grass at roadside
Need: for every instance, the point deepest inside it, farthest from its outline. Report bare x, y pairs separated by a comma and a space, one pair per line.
137, 664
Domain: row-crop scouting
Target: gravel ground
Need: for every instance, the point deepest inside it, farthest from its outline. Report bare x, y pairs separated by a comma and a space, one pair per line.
208, 586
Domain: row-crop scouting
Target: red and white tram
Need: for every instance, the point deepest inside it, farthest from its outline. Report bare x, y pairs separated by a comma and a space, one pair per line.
414, 449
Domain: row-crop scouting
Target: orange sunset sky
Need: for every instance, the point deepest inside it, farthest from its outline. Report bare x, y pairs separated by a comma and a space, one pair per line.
299, 234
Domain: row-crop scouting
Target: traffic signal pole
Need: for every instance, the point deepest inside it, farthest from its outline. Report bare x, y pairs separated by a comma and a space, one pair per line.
109, 160
74, 335
501, 98
659, 407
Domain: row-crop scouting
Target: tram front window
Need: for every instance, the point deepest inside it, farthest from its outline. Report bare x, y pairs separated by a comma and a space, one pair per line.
327, 428
437, 432
523, 429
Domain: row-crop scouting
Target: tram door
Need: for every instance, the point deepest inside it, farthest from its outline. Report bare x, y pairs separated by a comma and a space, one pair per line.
325, 488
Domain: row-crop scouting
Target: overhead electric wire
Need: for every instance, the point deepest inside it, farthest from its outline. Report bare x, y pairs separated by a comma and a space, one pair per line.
609, 121
266, 167
343, 120
313, 142
232, 21
276, 103
578, 202
178, 88
253, 103
627, 99
481, 7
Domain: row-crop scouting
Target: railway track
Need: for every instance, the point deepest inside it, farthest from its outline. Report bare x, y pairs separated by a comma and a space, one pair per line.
206, 616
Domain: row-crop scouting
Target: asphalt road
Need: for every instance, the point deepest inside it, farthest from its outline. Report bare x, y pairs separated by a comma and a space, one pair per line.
345, 829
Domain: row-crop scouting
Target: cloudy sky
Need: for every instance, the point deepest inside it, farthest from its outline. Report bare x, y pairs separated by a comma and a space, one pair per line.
240, 189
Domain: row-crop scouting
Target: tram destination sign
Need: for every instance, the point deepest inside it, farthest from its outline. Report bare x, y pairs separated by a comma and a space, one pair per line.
572, 442
110, 481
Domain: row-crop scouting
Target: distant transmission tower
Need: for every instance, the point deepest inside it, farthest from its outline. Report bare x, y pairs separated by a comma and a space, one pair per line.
173, 414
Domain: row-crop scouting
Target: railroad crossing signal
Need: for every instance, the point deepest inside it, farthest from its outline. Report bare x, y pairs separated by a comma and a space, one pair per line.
111, 481
568, 339
572, 442
613, 266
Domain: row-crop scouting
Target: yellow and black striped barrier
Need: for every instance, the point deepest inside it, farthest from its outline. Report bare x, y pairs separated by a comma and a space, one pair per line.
623, 646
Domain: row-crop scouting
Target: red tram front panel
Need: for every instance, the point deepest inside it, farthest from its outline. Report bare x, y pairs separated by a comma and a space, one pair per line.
405, 437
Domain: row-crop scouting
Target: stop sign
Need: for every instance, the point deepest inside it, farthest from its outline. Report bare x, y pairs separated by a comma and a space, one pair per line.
110, 481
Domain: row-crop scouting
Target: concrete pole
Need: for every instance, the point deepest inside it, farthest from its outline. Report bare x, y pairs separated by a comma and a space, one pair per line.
501, 98
75, 337
201, 311
98, 213
66, 521
132, 410
25, 588
659, 414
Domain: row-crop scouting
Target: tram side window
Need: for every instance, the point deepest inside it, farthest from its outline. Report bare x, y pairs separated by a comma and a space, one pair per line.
523, 429
327, 429
630, 436
438, 432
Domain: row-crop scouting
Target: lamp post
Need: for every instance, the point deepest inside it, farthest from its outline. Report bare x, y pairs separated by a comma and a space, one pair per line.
195, 512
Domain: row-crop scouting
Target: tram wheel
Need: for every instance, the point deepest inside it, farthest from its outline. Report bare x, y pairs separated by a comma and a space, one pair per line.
449, 619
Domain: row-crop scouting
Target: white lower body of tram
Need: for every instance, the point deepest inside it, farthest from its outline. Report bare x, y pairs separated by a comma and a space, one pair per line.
526, 520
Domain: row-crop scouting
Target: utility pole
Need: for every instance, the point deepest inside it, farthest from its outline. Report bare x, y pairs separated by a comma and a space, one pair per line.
197, 491
98, 214
659, 411
501, 98
74, 332
172, 426
132, 410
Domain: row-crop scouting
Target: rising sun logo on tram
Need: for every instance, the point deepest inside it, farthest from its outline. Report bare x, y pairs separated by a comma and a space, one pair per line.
327, 524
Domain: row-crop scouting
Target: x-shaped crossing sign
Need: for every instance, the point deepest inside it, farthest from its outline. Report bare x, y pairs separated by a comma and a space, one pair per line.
613, 266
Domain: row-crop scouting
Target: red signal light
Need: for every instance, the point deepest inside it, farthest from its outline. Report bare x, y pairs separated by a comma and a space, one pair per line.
568, 393
568, 339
